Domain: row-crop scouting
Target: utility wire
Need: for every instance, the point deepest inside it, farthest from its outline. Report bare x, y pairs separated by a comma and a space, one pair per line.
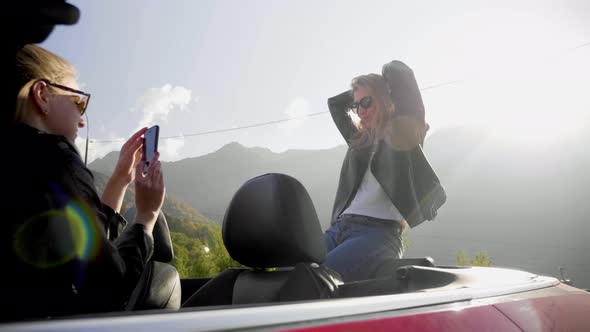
430, 87
222, 130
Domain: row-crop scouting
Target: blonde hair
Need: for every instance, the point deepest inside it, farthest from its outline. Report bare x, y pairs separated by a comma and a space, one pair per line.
32, 64
379, 90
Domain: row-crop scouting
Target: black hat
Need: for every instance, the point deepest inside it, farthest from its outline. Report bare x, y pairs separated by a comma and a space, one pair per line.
33, 20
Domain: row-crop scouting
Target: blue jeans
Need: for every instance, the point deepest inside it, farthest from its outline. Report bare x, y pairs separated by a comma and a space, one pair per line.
358, 245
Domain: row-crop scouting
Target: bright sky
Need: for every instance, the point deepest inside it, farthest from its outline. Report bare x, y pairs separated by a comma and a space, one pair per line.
518, 67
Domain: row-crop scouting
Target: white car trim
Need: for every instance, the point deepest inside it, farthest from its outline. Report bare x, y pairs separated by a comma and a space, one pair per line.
260, 316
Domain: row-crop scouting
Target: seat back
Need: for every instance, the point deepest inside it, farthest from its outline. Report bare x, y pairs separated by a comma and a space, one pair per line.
271, 226
159, 284
158, 288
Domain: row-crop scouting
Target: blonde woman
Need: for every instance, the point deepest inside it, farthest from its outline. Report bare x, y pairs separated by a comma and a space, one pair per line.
64, 247
386, 184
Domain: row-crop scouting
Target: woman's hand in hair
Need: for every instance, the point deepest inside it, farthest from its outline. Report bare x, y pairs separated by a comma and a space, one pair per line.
149, 192
406, 132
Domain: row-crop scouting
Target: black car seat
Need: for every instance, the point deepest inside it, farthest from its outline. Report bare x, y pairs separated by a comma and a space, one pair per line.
159, 284
271, 226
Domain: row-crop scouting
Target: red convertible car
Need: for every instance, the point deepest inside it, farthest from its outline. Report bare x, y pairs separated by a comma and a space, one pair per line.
282, 286
404, 294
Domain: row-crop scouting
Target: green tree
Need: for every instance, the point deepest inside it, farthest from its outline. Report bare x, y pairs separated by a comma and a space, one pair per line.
181, 259
201, 261
462, 259
202, 253
406, 243
220, 256
481, 259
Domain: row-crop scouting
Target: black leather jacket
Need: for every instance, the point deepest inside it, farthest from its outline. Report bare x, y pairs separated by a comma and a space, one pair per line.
406, 176
63, 251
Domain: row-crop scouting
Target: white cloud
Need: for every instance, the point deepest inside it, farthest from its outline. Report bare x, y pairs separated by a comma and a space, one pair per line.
157, 103
170, 148
297, 108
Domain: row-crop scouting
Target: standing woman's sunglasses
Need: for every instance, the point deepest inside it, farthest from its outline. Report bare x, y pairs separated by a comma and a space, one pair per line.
81, 98
365, 103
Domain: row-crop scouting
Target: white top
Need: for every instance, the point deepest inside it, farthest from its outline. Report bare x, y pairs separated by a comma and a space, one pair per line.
372, 201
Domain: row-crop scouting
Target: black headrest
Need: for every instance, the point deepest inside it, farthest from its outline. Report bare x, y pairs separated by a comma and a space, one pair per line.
271, 222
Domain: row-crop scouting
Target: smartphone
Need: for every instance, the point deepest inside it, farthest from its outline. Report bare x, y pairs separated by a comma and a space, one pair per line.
150, 145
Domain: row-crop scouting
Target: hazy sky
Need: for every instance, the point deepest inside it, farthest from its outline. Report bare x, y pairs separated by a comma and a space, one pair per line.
519, 68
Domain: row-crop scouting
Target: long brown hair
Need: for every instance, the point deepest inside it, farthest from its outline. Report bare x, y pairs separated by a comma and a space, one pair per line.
379, 90
33, 63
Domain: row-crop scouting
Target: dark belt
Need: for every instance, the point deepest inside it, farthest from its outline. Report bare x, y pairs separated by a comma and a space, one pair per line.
349, 215
384, 222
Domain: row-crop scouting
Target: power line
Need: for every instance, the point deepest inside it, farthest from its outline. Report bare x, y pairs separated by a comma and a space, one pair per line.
434, 86
438, 85
223, 130
430, 87
249, 126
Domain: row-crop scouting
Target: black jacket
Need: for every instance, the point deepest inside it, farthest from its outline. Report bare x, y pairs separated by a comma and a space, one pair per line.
406, 176
64, 252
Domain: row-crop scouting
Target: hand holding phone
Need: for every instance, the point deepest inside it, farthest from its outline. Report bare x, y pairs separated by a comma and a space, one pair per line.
150, 145
149, 186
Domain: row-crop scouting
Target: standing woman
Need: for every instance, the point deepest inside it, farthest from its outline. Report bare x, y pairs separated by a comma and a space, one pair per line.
385, 183
63, 247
